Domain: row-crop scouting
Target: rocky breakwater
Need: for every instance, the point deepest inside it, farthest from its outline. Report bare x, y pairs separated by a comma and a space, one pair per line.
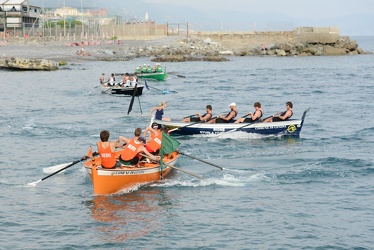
178, 50
342, 46
17, 63
206, 49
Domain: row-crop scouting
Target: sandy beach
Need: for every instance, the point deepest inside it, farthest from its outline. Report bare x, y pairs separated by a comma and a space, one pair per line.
59, 51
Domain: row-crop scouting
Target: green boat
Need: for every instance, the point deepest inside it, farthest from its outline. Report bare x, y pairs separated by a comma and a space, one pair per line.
157, 72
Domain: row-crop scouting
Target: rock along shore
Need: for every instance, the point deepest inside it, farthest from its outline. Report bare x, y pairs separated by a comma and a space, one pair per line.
46, 54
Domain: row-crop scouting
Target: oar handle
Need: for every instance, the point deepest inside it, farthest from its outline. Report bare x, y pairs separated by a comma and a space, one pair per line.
192, 123
188, 116
250, 123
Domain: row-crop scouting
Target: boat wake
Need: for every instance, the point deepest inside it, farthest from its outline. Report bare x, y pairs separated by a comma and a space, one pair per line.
237, 135
236, 178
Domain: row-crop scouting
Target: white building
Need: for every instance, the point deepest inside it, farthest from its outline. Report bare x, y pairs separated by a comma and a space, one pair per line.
69, 11
16, 14
66, 11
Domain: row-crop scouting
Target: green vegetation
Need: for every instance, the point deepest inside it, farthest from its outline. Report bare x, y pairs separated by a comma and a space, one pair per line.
49, 24
68, 23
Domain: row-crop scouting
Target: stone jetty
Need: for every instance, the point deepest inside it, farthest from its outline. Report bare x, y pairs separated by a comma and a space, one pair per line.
27, 64
207, 46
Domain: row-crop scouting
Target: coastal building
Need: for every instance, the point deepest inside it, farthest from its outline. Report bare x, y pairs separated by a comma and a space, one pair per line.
97, 12
66, 11
16, 15
69, 11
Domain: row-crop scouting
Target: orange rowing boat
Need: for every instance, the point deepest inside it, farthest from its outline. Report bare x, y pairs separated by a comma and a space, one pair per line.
111, 181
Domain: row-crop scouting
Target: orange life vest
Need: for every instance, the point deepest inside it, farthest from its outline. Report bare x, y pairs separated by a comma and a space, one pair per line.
155, 142
108, 159
131, 150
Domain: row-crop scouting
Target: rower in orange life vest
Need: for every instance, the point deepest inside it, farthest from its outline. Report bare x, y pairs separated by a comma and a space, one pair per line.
154, 139
106, 150
134, 147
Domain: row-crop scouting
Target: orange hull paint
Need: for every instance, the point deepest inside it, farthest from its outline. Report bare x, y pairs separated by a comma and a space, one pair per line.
110, 181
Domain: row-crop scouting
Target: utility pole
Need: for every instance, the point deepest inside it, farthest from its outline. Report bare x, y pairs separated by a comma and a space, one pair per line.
64, 20
82, 18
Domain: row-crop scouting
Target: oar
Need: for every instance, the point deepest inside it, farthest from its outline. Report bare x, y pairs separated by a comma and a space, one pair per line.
175, 74
171, 166
193, 157
190, 124
54, 168
110, 88
163, 91
58, 171
140, 106
132, 99
184, 171
215, 118
246, 125
188, 116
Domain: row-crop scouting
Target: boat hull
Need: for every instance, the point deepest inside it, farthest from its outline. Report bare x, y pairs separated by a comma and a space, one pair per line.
122, 91
111, 181
291, 127
159, 76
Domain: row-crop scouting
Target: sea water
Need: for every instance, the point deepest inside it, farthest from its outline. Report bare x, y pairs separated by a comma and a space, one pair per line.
311, 192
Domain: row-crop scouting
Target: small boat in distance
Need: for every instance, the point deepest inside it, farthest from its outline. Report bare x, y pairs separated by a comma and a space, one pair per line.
118, 90
156, 73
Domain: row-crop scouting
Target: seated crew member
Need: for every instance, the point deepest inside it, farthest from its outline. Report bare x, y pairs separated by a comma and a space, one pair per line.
106, 150
202, 118
282, 116
255, 117
102, 78
111, 80
133, 80
154, 139
125, 80
227, 118
134, 147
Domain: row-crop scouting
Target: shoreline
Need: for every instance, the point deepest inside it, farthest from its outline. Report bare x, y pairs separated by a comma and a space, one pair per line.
171, 48
59, 51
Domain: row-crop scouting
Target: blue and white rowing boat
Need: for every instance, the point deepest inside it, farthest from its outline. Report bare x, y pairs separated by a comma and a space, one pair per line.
290, 127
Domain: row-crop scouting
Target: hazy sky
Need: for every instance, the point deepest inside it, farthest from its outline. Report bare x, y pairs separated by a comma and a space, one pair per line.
352, 17
295, 8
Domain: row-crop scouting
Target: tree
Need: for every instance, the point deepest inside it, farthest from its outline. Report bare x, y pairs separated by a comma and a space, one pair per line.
49, 24
63, 23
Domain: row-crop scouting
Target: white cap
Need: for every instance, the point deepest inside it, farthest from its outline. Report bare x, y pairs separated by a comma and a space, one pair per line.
232, 104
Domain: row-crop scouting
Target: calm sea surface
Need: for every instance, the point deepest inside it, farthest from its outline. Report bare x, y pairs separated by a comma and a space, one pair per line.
311, 192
